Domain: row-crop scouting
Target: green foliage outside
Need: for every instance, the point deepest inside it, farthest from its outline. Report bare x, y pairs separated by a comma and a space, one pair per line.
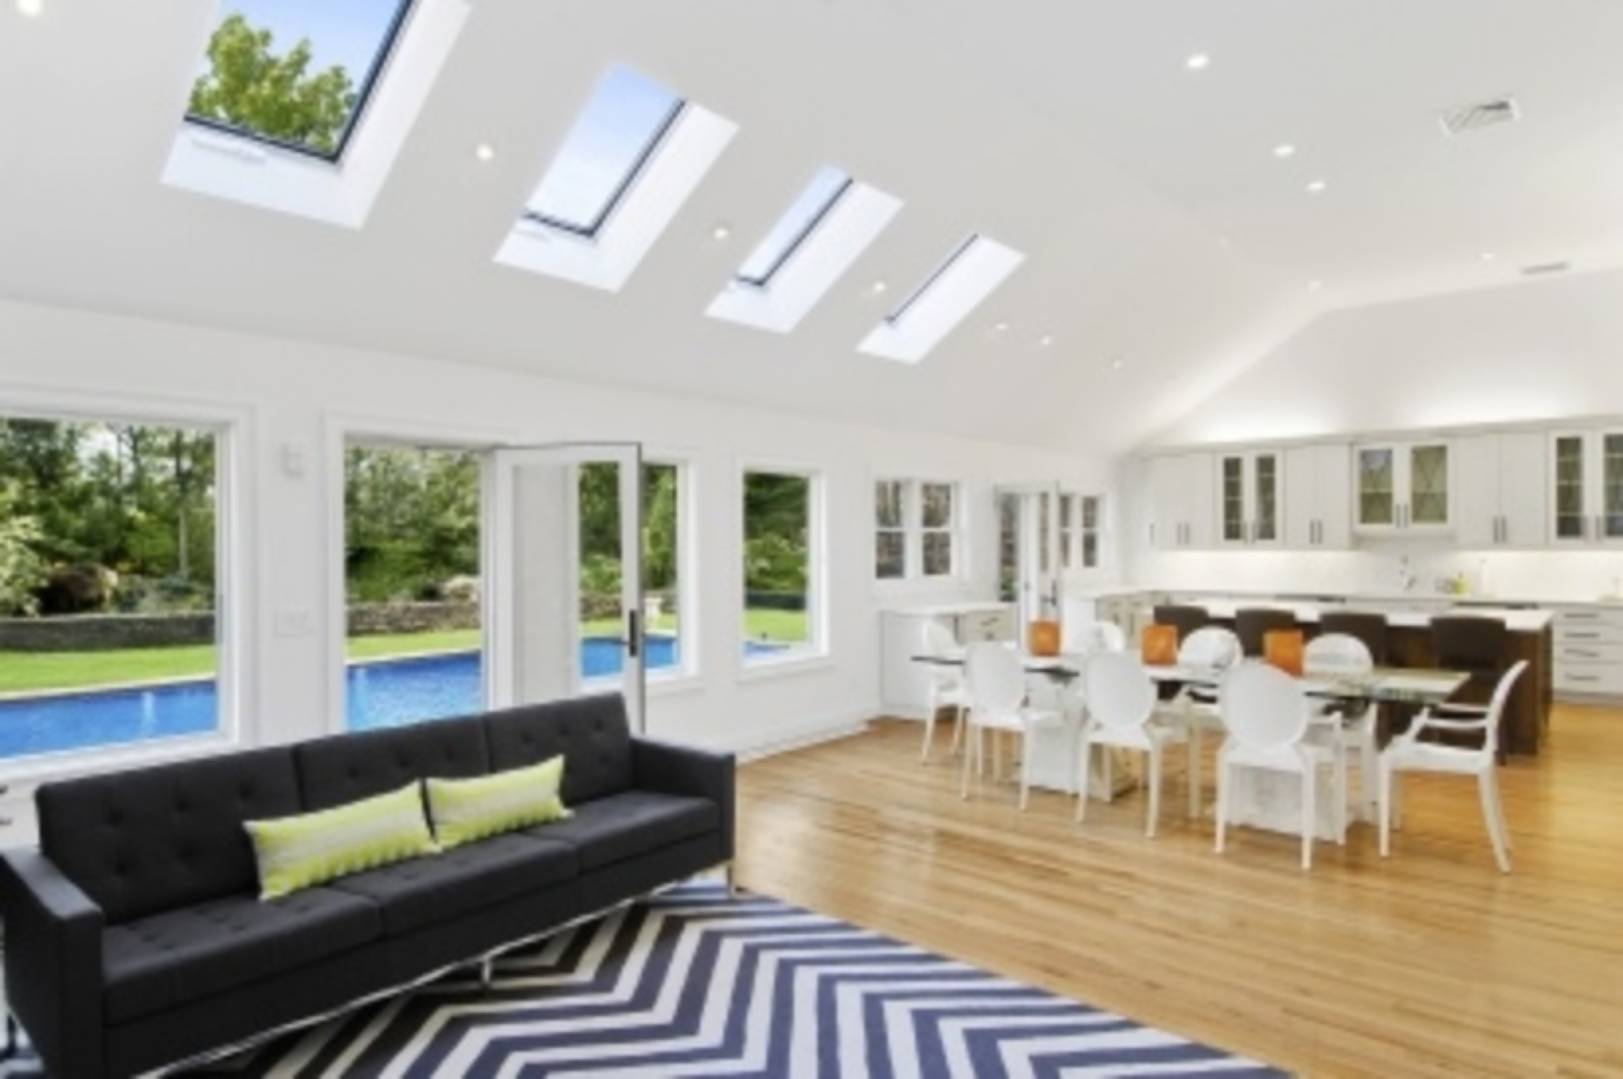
411, 523
249, 86
776, 519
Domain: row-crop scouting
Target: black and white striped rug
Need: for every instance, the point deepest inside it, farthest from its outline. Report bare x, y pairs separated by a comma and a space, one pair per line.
692, 983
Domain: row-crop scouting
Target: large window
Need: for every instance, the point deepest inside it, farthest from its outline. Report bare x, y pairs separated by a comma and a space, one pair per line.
938, 528
1080, 529
295, 73
110, 584
891, 507
607, 148
414, 640
915, 529
781, 600
601, 618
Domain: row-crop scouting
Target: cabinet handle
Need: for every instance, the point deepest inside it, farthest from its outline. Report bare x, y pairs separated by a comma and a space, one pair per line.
1583, 677
1582, 653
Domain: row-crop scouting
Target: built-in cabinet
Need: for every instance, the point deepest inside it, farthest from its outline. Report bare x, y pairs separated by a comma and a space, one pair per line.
1181, 516
1499, 499
1402, 487
904, 682
1586, 487
1249, 485
1318, 497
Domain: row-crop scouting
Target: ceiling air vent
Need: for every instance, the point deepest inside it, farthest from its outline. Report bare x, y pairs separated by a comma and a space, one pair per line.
1480, 115
1543, 269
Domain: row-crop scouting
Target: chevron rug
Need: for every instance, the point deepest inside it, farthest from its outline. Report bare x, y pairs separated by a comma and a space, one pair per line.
692, 983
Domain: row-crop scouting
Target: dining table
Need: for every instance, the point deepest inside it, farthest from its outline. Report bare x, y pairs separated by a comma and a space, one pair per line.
1261, 799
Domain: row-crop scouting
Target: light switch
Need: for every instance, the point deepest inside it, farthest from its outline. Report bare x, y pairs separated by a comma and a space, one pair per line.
293, 459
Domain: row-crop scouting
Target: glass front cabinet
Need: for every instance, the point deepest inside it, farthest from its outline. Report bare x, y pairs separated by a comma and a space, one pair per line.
1403, 487
1586, 487
1248, 490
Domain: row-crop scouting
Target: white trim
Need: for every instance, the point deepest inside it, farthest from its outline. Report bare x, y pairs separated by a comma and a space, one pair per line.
233, 428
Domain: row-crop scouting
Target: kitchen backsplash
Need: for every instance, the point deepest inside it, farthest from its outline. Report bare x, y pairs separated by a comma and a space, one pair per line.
1552, 575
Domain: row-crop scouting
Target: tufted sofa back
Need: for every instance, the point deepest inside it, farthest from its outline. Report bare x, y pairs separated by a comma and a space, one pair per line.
347, 767
145, 841
592, 733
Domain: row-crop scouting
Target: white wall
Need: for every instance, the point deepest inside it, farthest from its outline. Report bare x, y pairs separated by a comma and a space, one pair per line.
290, 395
1531, 351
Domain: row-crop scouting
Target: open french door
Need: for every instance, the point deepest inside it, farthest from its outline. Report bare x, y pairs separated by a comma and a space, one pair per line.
565, 604
1028, 549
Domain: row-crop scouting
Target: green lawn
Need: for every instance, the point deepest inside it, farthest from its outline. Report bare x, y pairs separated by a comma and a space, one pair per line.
26, 672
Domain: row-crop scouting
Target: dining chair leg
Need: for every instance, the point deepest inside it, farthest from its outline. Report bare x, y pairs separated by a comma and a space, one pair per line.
1223, 795
1383, 799
1499, 804
959, 719
1310, 813
929, 730
1153, 810
1341, 797
1025, 770
1107, 772
1082, 780
968, 762
1490, 817
1194, 745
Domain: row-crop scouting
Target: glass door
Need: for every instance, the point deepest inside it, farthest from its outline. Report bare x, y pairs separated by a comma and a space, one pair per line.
1377, 487
1029, 563
1611, 495
1570, 491
1428, 486
1231, 489
1265, 498
566, 610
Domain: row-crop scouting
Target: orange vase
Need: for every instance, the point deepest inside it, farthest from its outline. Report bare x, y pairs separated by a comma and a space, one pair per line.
1159, 648
1285, 649
1042, 638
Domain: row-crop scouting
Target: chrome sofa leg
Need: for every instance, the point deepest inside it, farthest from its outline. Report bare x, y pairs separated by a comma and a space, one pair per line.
10, 1049
732, 882
487, 972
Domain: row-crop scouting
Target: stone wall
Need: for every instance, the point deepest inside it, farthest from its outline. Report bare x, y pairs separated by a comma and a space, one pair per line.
105, 632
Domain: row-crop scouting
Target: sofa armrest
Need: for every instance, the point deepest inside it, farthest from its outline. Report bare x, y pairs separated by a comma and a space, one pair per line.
672, 769
53, 962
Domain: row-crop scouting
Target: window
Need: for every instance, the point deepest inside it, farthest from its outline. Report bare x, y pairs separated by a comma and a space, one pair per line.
1079, 529
111, 584
891, 498
970, 274
295, 73
606, 150
807, 211
938, 522
1091, 526
601, 617
414, 645
780, 617
1067, 512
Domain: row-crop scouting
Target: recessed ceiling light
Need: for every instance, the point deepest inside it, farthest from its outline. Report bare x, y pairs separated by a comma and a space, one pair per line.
1198, 62
1285, 149
1045, 340
1316, 187
721, 232
485, 152
31, 8
1000, 327
1117, 364
1487, 256
1314, 286
878, 287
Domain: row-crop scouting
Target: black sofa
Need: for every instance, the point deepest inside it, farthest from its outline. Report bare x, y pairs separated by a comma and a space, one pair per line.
135, 937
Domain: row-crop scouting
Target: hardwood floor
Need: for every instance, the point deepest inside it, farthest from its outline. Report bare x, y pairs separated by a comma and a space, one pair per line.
1430, 963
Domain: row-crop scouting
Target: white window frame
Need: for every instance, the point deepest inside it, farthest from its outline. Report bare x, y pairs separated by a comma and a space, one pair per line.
816, 652
235, 725
686, 671
905, 529
341, 429
953, 529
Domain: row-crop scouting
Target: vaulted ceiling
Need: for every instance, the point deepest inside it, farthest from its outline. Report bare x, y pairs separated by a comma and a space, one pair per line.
1160, 229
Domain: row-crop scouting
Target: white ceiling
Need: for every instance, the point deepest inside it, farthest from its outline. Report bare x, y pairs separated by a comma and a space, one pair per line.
1157, 224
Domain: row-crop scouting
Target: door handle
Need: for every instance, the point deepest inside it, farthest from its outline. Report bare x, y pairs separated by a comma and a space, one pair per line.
633, 641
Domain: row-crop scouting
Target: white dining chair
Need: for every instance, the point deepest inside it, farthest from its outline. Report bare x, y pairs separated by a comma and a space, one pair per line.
1333, 655
1091, 637
1121, 714
1210, 648
997, 703
945, 688
1268, 719
1406, 753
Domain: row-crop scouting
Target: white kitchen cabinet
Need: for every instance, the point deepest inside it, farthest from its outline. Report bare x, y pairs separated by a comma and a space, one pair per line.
1589, 652
1181, 509
1248, 486
1403, 488
1318, 497
1500, 490
1585, 494
904, 684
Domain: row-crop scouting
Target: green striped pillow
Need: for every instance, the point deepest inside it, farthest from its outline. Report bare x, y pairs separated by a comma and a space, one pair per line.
303, 851
468, 809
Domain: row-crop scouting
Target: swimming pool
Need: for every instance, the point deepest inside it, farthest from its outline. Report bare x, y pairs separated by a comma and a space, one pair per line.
383, 693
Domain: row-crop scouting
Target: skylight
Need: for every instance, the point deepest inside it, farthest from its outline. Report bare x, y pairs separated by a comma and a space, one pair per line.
804, 215
297, 74
606, 150
972, 272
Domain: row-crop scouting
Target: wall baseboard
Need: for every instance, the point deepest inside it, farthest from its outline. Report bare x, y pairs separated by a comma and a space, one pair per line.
830, 729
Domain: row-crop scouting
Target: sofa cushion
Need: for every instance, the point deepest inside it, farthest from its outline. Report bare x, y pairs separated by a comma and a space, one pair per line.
428, 890
299, 852
348, 767
166, 960
629, 824
155, 839
468, 810
592, 734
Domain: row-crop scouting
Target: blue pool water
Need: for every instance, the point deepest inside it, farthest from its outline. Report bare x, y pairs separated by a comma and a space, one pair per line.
379, 694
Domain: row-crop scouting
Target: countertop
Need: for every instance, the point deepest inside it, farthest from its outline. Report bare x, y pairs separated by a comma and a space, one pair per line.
1408, 609
934, 610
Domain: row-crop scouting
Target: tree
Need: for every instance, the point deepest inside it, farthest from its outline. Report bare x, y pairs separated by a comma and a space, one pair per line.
21, 569
249, 86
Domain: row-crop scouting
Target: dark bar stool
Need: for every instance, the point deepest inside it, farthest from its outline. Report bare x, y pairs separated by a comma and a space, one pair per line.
1252, 624
1369, 628
1186, 618
1477, 647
